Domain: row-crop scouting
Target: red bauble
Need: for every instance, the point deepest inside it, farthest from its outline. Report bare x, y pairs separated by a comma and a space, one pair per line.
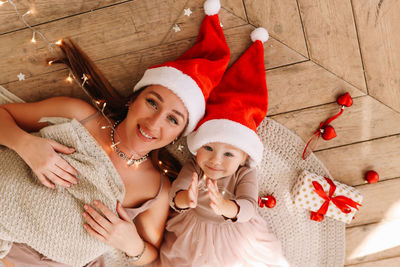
345, 100
269, 201
328, 132
372, 177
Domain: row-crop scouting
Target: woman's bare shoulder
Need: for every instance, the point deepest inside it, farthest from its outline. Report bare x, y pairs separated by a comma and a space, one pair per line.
27, 115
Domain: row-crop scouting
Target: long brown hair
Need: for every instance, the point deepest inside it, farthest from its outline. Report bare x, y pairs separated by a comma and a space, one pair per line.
101, 91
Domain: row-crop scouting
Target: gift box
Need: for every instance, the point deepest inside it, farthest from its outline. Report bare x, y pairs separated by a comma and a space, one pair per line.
323, 196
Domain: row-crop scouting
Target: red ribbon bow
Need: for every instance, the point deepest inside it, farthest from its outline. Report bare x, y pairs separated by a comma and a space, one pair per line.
342, 202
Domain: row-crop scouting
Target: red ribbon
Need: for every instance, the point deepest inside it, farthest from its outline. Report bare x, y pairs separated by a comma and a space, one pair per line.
320, 130
342, 202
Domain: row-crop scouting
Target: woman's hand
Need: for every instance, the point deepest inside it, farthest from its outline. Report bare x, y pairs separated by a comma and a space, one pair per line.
119, 232
220, 206
40, 155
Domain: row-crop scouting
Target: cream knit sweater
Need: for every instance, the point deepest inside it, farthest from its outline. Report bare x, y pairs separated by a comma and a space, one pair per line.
48, 220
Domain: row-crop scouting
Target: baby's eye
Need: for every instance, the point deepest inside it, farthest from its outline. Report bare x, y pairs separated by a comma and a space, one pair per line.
152, 103
208, 148
173, 120
228, 154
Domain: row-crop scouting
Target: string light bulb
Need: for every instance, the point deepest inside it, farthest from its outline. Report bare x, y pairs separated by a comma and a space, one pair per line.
33, 40
50, 62
2, 3
27, 13
114, 145
160, 162
69, 79
59, 42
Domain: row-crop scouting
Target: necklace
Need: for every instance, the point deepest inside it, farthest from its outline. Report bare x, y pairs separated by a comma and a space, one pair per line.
130, 160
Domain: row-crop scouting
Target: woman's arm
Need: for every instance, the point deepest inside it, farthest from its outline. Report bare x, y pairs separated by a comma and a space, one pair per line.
18, 119
121, 233
151, 224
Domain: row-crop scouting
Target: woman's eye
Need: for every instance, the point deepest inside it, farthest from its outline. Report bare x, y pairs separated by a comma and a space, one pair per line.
229, 154
173, 120
208, 148
152, 103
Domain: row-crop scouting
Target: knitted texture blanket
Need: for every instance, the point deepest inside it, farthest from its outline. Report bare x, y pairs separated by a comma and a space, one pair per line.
305, 242
48, 220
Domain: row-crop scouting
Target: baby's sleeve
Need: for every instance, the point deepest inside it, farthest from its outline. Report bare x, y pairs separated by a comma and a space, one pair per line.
246, 196
183, 181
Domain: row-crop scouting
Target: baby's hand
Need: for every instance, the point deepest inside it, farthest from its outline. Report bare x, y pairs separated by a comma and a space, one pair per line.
217, 202
193, 191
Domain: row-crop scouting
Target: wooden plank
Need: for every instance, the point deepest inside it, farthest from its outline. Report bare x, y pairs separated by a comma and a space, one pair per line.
331, 38
372, 242
366, 119
125, 70
391, 262
235, 7
377, 24
104, 33
303, 85
227, 16
43, 12
380, 202
281, 19
348, 164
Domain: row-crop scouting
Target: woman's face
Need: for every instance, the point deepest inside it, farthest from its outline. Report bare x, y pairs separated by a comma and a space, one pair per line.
155, 119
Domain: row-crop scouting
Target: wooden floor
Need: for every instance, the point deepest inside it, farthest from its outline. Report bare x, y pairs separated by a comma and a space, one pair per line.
317, 51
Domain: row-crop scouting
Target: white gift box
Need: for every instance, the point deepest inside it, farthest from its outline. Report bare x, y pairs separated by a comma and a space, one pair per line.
304, 196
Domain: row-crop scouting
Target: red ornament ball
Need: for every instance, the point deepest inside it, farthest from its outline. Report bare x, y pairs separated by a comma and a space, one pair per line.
267, 201
372, 177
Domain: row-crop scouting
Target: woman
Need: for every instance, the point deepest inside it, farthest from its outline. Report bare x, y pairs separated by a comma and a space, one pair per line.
164, 106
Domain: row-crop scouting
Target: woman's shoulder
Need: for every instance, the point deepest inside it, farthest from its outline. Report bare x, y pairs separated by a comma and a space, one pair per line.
75, 108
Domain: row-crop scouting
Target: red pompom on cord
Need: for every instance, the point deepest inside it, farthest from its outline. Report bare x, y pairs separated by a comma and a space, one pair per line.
325, 130
371, 177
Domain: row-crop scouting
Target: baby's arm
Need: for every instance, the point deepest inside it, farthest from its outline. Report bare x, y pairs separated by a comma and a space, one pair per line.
183, 193
246, 195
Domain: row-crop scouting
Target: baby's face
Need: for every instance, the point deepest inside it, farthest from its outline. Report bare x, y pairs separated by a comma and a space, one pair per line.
219, 160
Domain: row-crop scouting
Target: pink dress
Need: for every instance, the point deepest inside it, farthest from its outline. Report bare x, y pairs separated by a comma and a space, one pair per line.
199, 237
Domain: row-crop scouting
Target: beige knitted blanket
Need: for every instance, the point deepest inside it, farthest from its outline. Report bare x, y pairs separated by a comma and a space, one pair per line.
306, 243
48, 220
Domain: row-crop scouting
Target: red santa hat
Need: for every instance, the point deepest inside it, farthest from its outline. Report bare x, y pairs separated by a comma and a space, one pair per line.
197, 71
237, 105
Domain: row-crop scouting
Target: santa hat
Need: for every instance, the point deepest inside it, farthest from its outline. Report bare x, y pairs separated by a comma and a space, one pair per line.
237, 105
195, 73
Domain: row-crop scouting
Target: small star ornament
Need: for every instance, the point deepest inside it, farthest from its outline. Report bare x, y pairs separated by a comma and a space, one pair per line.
21, 76
176, 28
188, 12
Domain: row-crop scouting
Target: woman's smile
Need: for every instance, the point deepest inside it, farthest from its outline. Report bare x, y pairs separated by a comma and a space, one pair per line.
144, 134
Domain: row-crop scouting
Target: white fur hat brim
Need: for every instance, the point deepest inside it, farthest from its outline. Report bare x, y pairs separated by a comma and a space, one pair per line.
229, 132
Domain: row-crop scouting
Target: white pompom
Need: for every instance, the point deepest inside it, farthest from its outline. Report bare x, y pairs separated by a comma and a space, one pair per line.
212, 7
260, 34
